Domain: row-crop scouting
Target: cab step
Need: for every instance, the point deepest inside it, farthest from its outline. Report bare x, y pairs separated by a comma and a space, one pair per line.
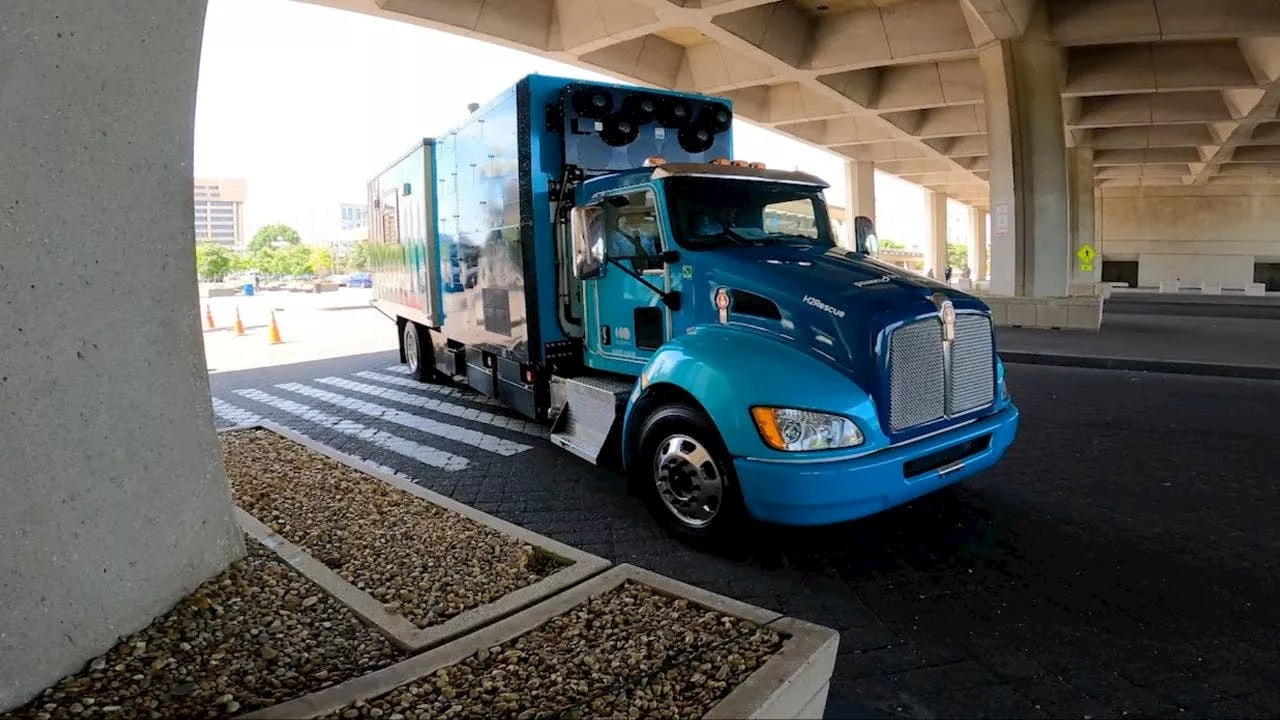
588, 413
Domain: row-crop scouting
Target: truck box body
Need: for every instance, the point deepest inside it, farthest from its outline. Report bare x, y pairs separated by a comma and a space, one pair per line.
464, 231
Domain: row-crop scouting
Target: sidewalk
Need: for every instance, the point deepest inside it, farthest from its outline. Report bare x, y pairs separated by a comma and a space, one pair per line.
1232, 347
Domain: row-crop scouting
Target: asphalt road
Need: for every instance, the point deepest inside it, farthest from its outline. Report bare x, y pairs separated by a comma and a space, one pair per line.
1123, 559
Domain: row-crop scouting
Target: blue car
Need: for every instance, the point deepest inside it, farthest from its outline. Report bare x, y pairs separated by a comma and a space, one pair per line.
360, 280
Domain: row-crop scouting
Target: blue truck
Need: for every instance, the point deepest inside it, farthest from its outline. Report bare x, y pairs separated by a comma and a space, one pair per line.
593, 256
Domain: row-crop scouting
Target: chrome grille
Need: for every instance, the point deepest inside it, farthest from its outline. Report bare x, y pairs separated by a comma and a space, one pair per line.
919, 390
973, 380
916, 377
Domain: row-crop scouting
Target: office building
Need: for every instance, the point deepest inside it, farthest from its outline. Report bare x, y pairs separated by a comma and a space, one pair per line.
219, 211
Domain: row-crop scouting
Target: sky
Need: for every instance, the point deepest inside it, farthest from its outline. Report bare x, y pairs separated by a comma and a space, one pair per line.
308, 103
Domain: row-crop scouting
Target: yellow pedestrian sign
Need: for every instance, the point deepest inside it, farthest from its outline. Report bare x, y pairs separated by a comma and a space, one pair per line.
1086, 253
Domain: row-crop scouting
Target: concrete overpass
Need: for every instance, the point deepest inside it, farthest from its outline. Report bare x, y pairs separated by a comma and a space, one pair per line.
1145, 127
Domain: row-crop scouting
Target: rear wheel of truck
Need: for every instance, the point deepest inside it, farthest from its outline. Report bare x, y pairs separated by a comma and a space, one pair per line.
686, 475
417, 351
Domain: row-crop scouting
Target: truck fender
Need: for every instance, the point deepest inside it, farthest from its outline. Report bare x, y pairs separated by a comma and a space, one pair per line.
727, 370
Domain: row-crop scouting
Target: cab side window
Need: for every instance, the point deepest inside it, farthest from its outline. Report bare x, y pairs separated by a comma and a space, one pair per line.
631, 229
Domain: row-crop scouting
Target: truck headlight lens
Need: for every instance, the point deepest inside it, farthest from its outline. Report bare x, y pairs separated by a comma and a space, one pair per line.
797, 430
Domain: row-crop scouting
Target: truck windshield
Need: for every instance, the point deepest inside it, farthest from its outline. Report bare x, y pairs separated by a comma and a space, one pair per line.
709, 212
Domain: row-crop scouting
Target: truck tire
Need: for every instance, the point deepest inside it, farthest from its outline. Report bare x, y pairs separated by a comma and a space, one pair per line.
685, 475
417, 351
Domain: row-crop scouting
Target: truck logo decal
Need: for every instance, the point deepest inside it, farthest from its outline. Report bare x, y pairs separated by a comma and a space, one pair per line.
874, 281
815, 302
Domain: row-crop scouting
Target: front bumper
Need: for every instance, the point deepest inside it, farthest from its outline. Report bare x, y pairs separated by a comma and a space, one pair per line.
822, 493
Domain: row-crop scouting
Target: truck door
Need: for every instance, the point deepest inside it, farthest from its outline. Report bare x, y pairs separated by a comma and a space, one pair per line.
626, 320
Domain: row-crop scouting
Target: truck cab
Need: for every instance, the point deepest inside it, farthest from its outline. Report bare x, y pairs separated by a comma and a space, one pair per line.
694, 320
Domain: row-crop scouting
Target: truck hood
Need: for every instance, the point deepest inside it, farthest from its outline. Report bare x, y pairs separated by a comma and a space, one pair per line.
834, 302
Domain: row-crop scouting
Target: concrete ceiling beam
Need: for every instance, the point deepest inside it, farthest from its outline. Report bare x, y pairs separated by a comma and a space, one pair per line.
846, 130
911, 87
908, 32
990, 20
583, 26
1154, 170
1146, 136
1146, 156
1158, 109
1097, 22
1251, 110
1155, 68
941, 122
765, 27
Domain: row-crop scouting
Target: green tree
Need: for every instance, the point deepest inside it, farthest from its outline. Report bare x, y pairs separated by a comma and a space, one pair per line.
213, 261
957, 256
268, 234
359, 257
319, 261
886, 244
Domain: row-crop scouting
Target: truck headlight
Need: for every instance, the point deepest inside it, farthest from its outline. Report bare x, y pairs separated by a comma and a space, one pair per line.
797, 430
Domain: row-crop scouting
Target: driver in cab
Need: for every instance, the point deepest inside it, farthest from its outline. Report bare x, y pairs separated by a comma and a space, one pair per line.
634, 238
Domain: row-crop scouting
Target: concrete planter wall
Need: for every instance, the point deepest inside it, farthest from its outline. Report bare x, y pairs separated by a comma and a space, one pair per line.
793, 683
405, 634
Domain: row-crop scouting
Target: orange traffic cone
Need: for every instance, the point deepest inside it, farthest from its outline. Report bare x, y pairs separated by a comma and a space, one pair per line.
273, 334
208, 317
239, 325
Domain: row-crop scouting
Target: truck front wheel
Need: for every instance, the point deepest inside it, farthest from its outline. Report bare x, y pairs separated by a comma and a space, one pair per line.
686, 474
417, 351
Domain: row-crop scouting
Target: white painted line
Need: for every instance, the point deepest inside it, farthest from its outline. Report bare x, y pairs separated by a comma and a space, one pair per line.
467, 436
459, 393
233, 414
400, 369
424, 454
440, 406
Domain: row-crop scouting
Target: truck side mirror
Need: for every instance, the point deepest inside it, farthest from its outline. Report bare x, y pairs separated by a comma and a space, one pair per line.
586, 225
864, 233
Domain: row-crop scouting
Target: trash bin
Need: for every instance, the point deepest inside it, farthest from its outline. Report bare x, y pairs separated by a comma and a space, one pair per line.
248, 288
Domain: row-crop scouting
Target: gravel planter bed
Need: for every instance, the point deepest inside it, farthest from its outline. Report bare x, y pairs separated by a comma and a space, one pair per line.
627, 644
420, 567
257, 634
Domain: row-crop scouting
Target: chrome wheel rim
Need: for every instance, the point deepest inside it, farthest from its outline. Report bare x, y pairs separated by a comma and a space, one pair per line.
411, 347
688, 480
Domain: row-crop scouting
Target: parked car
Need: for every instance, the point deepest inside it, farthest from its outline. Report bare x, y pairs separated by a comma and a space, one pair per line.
360, 280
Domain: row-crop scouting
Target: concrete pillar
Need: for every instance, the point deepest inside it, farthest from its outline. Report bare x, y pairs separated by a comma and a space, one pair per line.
978, 243
859, 194
1081, 187
1030, 243
935, 256
115, 502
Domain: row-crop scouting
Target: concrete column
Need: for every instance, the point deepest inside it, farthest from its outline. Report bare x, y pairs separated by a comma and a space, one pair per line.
115, 502
1081, 187
859, 194
1030, 243
935, 256
978, 243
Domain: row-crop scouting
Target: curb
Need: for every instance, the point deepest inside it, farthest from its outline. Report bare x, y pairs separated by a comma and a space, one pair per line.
578, 566
1176, 367
794, 683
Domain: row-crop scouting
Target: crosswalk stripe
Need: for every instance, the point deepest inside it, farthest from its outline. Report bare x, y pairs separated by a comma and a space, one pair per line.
459, 393
440, 406
467, 436
424, 454
233, 414
399, 369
